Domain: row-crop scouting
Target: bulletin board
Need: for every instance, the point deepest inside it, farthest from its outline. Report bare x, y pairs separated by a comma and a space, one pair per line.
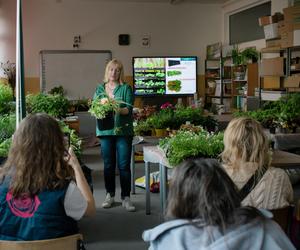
77, 71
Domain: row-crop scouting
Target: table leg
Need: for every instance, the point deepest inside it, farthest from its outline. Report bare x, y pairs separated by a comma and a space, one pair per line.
147, 182
163, 187
132, 169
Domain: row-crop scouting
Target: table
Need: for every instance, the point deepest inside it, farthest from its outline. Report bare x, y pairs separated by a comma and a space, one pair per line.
153, 154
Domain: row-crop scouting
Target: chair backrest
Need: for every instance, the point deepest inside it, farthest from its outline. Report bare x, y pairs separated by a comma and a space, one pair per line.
284, 216
72, 242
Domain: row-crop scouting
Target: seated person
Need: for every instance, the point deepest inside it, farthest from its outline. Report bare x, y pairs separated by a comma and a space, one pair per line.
247, 154
204, 212
43, 191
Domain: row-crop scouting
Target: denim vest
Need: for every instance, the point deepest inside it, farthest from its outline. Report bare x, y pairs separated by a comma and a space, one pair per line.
36, 217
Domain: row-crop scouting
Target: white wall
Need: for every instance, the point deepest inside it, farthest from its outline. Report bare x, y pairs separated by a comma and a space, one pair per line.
181, 29
7, 31
235, 6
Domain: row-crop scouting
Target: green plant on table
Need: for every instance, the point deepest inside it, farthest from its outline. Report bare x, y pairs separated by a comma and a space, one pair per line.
185, 144
54, 105
6, 99
142, 127
161, 120
7, 126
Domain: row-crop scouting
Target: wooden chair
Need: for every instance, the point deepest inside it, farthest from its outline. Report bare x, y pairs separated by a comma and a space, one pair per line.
284, 216
72, 242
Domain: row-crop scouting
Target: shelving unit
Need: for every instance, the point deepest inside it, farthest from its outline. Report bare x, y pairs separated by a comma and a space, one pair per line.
218, 81
244, 89
231, 91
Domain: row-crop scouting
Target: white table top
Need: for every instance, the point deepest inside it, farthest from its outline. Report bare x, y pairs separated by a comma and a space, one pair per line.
281, 159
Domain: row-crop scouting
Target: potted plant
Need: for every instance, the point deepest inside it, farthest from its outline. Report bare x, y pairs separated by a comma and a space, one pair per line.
103, 109
54, 105
250, 55
190, 142
238, 60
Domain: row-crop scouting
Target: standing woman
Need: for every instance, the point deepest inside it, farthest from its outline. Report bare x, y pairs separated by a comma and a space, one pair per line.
116, 143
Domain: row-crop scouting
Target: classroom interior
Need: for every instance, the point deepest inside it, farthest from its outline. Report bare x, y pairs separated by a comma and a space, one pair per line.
154, 28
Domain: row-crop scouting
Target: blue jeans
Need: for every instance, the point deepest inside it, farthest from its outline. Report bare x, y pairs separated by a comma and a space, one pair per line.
116, 150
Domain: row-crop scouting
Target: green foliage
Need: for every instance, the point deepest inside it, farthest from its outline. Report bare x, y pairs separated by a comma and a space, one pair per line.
250, 54
101, 106
185, 144
4, 147
57, 91
54, 105
6, 99
75, 141
7, 126
284, 113
160, 120
142, 127
237, 57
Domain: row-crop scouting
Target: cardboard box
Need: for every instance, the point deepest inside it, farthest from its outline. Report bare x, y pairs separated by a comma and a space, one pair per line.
265, 20
291, 14
296, 40
287, 39
292, 81
271, 31
272, 66
271, 82
273, 43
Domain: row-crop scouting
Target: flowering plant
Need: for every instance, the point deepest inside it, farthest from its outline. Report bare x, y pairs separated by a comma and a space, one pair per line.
100, 107
167, 105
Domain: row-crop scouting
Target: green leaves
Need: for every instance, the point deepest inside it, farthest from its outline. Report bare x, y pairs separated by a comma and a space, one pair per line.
54, 105
101, 106
185, 144
6, 98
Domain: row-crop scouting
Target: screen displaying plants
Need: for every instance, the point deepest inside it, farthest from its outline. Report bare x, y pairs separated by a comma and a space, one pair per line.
164, 75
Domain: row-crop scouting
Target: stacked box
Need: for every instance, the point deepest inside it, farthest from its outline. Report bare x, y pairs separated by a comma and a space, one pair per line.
289, 28
270, 24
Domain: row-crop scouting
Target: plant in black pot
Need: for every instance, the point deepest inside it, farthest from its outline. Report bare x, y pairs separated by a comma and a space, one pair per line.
104, 109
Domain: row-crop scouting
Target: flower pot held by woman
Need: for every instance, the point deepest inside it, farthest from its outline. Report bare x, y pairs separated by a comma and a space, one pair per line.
108, 122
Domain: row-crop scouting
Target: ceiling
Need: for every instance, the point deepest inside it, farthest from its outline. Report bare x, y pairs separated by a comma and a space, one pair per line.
167, 1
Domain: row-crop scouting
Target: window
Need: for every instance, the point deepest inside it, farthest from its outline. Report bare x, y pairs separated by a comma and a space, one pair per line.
244, 27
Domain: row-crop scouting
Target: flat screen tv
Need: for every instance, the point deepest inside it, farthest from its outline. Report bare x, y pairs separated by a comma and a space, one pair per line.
173, 75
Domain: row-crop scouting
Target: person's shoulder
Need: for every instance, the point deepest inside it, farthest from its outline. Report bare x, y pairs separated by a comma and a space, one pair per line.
173, 225
277, 172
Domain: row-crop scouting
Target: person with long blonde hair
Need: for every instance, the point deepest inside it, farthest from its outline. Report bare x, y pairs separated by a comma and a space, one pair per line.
43, 191
116, 142
246, 154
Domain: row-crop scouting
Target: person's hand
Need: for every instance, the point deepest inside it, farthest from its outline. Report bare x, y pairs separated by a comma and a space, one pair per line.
73, 161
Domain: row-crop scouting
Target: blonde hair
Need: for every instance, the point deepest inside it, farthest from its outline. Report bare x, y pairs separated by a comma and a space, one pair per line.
114, 62
36, 160
245, 141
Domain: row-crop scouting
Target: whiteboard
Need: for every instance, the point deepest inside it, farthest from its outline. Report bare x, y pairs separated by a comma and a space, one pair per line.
77, 71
